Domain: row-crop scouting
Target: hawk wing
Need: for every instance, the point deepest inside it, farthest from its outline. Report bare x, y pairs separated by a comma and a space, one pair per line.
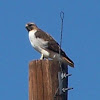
52, 44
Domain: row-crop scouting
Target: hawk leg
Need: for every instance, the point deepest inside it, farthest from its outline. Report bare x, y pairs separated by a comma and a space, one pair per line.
42, 57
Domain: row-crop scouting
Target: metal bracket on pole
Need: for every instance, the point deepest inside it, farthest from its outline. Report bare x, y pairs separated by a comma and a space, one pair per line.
62, 80
64, 75
60, 83
66, 89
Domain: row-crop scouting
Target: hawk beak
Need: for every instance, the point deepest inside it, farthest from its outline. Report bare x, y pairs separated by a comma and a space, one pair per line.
26, 25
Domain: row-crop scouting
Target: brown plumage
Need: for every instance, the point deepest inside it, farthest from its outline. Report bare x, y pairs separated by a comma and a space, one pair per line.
52, 45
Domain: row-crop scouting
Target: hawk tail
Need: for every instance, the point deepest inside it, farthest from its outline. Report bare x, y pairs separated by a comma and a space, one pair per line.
68, 61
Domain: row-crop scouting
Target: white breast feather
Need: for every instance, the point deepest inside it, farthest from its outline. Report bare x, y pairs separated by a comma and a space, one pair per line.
38, 43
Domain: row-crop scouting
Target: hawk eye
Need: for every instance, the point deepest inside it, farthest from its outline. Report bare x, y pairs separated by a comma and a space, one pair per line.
30, 24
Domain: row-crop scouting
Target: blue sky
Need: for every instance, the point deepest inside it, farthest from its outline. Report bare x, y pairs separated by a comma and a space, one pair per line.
81, 41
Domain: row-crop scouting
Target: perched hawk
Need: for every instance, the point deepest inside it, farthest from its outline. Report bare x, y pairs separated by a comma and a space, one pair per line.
46, 45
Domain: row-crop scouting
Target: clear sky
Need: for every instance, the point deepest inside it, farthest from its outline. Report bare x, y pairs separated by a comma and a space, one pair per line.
81, 42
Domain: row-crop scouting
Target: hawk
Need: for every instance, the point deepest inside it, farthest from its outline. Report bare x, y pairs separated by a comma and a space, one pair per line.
46, 45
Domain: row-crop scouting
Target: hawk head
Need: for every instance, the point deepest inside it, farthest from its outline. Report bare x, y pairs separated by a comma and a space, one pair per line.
31, 26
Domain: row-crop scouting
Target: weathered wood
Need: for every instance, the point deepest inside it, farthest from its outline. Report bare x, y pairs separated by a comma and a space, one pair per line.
43, 80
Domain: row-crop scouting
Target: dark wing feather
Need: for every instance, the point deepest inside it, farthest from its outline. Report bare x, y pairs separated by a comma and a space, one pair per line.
52, 44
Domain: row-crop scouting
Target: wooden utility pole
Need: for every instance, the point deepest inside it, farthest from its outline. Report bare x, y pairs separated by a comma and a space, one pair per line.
43, 80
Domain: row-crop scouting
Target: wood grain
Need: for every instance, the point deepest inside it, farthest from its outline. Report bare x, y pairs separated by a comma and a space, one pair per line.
43, 80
